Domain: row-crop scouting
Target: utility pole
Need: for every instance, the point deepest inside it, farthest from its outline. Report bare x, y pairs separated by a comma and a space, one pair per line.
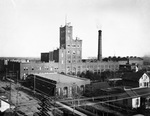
34, 84
17, 91
10, 91
17, 94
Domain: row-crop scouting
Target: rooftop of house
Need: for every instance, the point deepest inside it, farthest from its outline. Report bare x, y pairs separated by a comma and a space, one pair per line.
138, 92
114, 90
131, 92
133, 76
100, 85
61, 78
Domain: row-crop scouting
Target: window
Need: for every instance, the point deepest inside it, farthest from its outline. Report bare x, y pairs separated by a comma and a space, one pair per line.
68, 31
32, 68
58, 91
78, 52
68, 52
62, 62
68, 69
69, 61
78, 45
62, 54
140, 84
68, 38
25, 68
51, 68
70, 90
74, 56
82, 88
65, 91
73, 52
46, 68
145, 84
74, 45
137, 102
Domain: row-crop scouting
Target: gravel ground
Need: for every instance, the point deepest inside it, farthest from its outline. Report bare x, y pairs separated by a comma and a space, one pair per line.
26, 104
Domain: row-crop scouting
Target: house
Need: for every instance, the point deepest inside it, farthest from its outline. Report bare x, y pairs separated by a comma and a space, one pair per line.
140, 97
132, 98
136, 79
4, 104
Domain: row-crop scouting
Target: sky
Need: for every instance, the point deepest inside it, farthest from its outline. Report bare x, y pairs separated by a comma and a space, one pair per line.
29, 27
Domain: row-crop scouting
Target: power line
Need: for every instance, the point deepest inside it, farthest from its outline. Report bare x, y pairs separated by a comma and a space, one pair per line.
92, 98
102, 102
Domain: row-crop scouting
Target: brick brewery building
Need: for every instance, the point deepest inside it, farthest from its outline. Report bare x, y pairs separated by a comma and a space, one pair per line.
69, 55
66, 59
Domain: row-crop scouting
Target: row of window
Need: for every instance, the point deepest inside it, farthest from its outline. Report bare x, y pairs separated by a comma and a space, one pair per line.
73, 57
73, 52
101, 66
40, 68
74, 45
69, 90
101, 70
145, 84
73, 61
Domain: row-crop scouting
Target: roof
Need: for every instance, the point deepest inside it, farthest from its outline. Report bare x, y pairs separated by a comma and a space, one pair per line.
100, 85
61, 78
134, 92
134, 76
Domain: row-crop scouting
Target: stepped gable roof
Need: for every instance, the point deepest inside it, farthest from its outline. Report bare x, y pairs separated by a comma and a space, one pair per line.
133, 76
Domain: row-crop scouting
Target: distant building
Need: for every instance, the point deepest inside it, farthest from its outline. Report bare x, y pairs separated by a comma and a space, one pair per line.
45, 57
68, 59
20, 70
2, 66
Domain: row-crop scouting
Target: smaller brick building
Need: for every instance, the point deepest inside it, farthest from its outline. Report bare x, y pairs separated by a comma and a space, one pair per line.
54, 84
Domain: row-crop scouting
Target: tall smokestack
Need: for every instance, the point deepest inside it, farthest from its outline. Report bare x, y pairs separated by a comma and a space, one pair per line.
99, 45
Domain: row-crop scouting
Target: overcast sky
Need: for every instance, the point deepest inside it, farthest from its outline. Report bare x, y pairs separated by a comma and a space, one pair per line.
29, 27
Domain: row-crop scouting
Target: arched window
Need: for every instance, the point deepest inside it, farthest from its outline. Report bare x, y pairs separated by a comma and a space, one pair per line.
82, 88
65, 91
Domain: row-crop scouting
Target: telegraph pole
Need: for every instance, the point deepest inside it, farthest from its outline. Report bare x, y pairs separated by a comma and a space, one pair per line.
34, 84
17, 91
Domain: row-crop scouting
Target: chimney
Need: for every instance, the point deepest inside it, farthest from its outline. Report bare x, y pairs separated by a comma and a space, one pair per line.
99, 45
